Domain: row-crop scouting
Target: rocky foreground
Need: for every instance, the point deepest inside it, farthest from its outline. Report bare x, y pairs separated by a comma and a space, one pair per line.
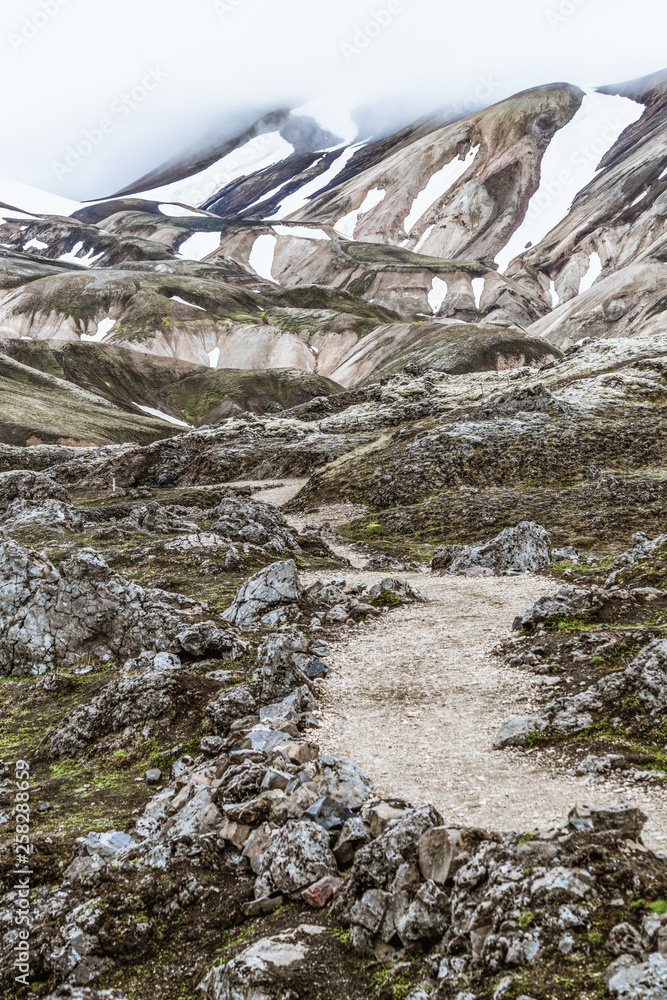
165, 642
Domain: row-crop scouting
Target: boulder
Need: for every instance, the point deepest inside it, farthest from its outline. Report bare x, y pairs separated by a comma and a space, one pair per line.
298, 856
24, 485
391, 590
53, 614
262, 971
267, 596
525, 548
122, 703
282, 660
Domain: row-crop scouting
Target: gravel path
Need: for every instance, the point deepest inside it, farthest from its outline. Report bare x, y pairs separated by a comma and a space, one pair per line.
415, 699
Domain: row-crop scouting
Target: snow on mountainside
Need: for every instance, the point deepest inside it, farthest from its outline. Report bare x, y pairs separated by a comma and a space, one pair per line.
289, 248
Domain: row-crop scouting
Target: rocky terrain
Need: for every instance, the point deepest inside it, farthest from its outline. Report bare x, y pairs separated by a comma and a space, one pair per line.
333, 566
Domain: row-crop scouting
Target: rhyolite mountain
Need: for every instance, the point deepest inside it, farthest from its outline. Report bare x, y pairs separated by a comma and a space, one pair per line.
490, 242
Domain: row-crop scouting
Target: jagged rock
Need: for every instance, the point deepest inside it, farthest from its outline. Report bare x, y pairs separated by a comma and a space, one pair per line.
523, 549
159, 519
282, 660
83, 607
624, 940
567, 602
24, 485
401, 590
104, 845
49, 515
267, 596
261, 971
642, 546
292, 708
641, 981
298, 856
255, 522
355, 834
121, 703
645, 678
516, 731
342, 780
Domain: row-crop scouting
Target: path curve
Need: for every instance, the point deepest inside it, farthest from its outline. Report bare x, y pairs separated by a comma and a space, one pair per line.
415, 698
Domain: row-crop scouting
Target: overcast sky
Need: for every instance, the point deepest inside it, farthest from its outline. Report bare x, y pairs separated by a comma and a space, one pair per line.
163, 74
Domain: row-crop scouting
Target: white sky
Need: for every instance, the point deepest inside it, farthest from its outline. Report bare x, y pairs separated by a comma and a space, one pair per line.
226, 63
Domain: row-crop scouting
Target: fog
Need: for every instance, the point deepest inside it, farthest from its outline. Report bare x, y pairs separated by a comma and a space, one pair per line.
148, 80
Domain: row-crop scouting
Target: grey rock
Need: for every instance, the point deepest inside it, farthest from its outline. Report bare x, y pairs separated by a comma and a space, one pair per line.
231, 704
281, 661
121, 703
516, 731
525, 548
401, 588
274, 589
624, 940
24, 485
262, 970
153, 776
641, 981
354, 834
83, 607
341, 779
298, 856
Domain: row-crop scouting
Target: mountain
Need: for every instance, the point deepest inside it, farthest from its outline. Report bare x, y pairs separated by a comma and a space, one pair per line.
495, 240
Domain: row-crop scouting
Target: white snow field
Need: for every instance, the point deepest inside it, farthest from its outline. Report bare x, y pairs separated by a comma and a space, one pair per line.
214, 357
177, 298
261, 255
569, 164
437, 295
592, 274
86, 261
161, 415
303, 232
477, 289
200, 245
294, 202
438, 185
348, 223
103, 327
256, 154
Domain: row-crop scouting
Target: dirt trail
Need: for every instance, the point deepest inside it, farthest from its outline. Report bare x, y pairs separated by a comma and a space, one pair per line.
415, 699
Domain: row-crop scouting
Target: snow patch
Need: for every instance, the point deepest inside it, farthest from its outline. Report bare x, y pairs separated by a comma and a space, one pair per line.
592, 274
36, 244
663, 174
555, 297
103, 327
161, 415
301, 231
200, 245
640, 198
300, 198
261, 255
477, 289
569, 164
425, 235
348, 223
214, 357
177, 298
256, 154
86, 261
438, 186
437, 295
